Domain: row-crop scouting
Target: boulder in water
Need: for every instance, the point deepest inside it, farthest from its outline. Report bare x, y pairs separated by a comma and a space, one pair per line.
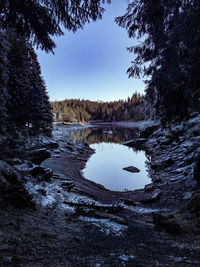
131, 169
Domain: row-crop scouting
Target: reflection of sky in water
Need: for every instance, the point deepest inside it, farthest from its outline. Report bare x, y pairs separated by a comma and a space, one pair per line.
106, 167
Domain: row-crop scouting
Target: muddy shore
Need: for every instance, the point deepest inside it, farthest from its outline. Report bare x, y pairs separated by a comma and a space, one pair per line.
76, 222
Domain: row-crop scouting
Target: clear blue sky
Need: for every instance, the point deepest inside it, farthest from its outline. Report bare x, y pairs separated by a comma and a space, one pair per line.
92, 63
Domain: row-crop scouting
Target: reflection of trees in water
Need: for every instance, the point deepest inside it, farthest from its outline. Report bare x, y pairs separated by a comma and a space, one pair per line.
103, 134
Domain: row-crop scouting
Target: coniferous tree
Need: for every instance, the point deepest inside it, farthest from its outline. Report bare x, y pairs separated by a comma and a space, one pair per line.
168, 54
4, 47
19, 83
28, 106
41, 115
73, 110
41, 19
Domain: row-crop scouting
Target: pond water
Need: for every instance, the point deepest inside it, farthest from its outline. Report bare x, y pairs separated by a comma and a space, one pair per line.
105, 167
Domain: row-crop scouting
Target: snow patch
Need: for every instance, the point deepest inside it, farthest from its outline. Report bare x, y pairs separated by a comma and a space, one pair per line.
141, 210
44, 194
124, 257
106, 226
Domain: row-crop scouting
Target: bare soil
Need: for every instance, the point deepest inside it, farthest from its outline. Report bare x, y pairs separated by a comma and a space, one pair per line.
53, 237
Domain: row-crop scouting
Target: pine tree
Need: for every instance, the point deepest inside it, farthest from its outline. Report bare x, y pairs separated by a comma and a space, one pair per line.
41, 19
39, 105
4, 48
18, 82
168, 55
28, 106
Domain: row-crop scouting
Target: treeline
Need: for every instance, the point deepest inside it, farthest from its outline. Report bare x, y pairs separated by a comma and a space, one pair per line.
168, 54
73, 110
24, 103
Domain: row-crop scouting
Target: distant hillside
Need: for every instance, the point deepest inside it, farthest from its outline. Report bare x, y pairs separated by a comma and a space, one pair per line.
73, 110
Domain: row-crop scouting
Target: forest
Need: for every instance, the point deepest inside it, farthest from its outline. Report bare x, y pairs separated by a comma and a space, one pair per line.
73, 110
25, 108
52, 214
167, 56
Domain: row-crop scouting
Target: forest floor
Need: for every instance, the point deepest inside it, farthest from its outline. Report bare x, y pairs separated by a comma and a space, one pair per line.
76, 222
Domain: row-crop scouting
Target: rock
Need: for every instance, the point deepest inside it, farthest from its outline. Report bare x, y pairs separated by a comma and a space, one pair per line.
157, 166
129, 143
68, 185
21, 199
148, 131
14, 161
194, 114
166, 142
99, 214
38, 155
168, 222
196, 170
8, 174
50, 145
193, 204
69, 147
157, 180
187, 195
86, 144
153, 198
138, 143
56, 151
195, 132
128, 202
168, 162
149, 187
41, 173
131, 169
56, 156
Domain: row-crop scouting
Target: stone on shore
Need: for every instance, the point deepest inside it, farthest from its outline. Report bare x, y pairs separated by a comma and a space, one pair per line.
155, 196
37, 156
41, 173
138, 143
166, 222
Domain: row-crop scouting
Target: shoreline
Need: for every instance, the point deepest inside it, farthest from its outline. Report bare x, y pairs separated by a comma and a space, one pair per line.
89, 225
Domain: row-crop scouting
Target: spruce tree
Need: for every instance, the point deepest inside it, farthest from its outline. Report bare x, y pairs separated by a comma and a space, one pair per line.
39, 105
42, 19
4, 48
168, 53
28, 106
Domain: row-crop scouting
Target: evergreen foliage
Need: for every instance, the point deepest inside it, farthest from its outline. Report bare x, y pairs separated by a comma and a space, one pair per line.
169, 54
74, 110
41, 19
25, 105
4, 47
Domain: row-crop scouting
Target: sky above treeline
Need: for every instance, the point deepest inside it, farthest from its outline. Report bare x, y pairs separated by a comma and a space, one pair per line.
92, 63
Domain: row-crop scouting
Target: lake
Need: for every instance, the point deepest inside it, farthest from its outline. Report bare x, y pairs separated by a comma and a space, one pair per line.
105, 167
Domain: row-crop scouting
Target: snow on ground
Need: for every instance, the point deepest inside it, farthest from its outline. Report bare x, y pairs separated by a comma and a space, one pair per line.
44, 194
124, 257
134, 124
106, 226
141, 210
48, 194
61, 130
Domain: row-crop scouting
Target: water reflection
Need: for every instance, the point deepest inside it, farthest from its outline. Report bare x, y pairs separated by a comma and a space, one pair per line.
102, 134
105, 167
